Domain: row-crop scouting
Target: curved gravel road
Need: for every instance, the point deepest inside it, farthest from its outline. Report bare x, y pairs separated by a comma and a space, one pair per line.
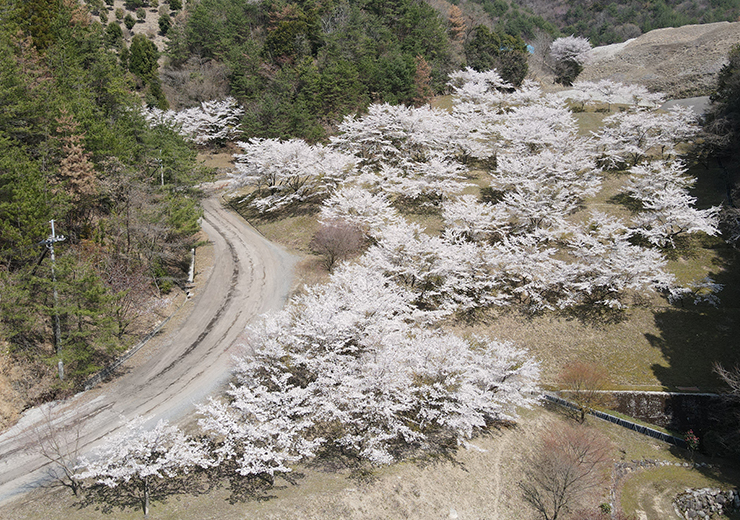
250, 276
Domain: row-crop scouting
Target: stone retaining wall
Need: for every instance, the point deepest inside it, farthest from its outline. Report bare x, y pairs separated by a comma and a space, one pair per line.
706, 502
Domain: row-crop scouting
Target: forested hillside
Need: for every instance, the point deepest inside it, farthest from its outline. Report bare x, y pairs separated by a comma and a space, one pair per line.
298, 67
603, 22
75, 148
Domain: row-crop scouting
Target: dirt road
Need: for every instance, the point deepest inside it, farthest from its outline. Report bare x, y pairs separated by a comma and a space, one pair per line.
249, 277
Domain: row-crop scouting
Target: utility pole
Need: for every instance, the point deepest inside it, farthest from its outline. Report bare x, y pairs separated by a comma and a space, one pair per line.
161, 168
49, 242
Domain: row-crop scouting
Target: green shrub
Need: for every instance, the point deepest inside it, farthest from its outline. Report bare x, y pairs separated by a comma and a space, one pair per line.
129, 21
165, 22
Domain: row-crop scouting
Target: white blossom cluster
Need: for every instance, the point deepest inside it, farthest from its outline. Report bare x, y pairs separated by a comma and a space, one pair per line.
571, 48
211, 122
348, 366
288, 172
530, 242
613, 92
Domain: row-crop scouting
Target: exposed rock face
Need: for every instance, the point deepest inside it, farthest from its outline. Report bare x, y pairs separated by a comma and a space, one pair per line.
682, 62
707, 502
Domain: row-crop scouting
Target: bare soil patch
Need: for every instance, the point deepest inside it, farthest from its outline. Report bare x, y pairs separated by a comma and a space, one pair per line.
682, 62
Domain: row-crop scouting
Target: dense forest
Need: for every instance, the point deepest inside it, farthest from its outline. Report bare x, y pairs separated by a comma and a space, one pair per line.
75, 149
298, 67
604, 22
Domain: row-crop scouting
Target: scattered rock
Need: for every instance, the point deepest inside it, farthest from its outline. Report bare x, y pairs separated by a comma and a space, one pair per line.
707, 502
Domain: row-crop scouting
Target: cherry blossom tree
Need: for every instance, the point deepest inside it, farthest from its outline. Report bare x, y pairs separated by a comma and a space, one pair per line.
139, 458
369, 212
287, 172
613, 92
479, 88
529, 129
540, 190
470, 219
667, 207
443, 274
346, 367
570, 54
213, 121
630, 137
609, 265
432, 180
393, 134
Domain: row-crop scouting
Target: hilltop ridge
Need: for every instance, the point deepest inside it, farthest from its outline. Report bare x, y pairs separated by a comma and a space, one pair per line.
682, 62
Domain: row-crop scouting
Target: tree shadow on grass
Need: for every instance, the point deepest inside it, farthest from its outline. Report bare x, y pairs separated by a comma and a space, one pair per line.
131, 494
440, 447
594, 314
627, 201
713, 466
251, 488
694, 336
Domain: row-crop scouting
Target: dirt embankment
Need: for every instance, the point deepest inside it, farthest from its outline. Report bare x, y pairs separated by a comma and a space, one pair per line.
682, 62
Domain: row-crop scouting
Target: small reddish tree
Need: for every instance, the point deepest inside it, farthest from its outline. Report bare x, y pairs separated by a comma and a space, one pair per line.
76, 171
336, 240
570, 463
456, 22
422, 82
585, 384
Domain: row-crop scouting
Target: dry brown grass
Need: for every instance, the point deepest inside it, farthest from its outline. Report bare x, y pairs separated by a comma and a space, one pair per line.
221, 162
11, 402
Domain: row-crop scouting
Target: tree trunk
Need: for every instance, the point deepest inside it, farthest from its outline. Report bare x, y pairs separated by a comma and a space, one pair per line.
146, 497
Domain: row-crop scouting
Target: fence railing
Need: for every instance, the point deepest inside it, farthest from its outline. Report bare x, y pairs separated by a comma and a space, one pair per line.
639, 428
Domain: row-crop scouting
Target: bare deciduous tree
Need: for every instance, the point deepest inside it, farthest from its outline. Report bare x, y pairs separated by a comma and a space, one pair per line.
585, 383
59, 442
336, 240
570, 463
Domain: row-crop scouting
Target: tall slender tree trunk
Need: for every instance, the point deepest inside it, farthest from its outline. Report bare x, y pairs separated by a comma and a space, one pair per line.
146, 496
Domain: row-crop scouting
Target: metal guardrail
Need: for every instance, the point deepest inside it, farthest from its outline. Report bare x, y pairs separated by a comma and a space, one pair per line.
639, 428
